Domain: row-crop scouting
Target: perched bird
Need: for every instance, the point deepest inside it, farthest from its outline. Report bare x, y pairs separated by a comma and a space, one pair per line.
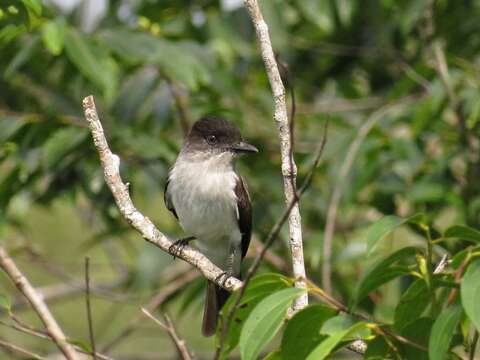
211, 202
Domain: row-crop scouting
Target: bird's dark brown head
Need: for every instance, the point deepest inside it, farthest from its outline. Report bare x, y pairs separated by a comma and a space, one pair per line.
216, 135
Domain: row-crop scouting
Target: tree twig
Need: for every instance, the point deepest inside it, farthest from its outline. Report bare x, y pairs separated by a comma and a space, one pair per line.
20, 350
473, 346
289, 170
172, 332
63, 291
342, 176
89, 308
37, 303
26, 329
111, 166
172, 287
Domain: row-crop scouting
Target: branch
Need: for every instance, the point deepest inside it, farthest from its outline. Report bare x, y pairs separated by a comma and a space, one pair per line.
37, 303
62, 291
89, 308
172, 332
18, 349
111, 166
27, 329
172, 287
342, 176
289, 170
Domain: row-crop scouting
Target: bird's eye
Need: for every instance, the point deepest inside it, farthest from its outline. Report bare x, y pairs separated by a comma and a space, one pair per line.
211, 139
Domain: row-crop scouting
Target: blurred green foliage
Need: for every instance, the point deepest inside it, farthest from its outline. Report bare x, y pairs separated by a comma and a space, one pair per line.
155, 67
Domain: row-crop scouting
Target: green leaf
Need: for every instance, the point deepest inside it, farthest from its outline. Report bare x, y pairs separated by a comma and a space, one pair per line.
462, 232
5, 302
378, 230
274, 355
264, 322
343, 322
302, 333
81, 344
383, 272
182, 61
60, 144
412, 304
319, 13
35, 6
442, 332
470, 290
417, 331
327, 345
377, 349
53, 35
259, 288
92, 61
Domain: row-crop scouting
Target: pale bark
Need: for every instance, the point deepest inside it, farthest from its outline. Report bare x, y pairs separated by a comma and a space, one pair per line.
289, 170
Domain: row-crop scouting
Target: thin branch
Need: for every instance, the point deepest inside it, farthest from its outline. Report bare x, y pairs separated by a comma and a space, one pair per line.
20, 350
172, 332
24, 286
64, 291
270, 257
89, 308
26, 329
111, 165
289, 170
352, 152
325, 297
268, 242
473, 346
172, 287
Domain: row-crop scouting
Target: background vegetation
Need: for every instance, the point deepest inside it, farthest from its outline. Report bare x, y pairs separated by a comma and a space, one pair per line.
399, 81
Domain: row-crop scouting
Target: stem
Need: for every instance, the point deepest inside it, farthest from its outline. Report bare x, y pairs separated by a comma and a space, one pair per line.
434, 308
473, 347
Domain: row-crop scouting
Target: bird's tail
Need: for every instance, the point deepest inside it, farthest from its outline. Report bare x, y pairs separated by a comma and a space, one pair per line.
216, 297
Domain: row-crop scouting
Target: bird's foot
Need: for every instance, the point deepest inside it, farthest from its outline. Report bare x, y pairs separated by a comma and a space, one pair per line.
223, 277
177, 247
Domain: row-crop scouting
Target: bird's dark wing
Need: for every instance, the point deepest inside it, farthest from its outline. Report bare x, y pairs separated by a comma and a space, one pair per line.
168, 201
244, 208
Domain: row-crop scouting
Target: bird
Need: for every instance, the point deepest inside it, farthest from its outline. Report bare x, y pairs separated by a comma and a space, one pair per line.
211, 202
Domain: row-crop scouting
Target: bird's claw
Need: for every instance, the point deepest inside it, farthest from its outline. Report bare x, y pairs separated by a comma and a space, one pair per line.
177, 247
223, 278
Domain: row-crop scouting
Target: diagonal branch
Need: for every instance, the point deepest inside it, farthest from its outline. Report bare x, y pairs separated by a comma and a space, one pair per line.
172, 332
20, 350
347, 164
172, 287
111, 166
289, 170
37, 303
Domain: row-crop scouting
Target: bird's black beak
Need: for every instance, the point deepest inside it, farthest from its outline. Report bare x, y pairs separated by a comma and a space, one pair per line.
243, 147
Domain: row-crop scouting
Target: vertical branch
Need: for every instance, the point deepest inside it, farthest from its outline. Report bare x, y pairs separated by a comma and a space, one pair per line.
89, 308
347, 164
288, 164
24, 286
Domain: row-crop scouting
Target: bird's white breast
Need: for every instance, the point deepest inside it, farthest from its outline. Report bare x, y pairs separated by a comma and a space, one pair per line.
202, 193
